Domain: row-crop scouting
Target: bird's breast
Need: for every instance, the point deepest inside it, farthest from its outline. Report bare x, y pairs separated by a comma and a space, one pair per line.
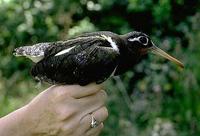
127, 61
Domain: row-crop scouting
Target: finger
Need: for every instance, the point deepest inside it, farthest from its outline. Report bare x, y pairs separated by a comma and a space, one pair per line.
76, 91
100, 115
95, 131
91, 103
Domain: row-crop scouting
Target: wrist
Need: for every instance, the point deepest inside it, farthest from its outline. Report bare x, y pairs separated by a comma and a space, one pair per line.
16, 123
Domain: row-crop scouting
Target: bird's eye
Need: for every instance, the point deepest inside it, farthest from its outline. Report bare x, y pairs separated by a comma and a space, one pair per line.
143, 40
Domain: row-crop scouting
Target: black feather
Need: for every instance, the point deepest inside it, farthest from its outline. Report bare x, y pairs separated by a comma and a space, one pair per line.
92, 60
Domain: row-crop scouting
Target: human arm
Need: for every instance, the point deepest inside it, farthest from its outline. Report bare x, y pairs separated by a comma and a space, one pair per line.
59, 111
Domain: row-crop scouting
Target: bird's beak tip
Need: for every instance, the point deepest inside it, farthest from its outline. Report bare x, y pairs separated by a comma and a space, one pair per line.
160, 52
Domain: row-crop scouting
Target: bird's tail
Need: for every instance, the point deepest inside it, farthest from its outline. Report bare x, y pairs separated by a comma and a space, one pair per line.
20, 51
34, 52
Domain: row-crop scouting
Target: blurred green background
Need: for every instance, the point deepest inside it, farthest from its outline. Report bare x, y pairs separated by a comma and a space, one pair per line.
155, 98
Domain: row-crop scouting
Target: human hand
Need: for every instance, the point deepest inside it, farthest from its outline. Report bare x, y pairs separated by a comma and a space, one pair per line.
65, 111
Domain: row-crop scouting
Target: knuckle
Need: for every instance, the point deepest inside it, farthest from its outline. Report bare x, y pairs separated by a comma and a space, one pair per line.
66, 112
60, 95
105, 112
103, 95
60, 92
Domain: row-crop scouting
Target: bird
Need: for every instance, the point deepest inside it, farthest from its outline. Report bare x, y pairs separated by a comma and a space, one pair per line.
89, 57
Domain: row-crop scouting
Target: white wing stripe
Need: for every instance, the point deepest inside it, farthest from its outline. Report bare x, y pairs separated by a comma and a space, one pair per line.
64, 51
112, 43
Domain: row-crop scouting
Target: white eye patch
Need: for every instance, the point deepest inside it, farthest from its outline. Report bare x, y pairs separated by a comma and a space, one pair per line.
142, 39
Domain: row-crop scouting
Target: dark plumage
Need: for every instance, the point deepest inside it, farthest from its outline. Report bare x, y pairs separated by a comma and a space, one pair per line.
91, 57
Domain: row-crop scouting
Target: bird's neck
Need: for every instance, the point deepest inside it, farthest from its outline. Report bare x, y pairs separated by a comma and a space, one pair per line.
127, 59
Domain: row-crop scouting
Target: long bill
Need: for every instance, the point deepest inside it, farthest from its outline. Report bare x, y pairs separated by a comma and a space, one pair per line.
160, 52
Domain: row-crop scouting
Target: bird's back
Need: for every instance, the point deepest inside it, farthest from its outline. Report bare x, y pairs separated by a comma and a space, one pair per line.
81, 60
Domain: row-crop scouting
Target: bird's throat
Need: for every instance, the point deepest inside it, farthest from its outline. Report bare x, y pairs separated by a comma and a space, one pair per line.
143, 51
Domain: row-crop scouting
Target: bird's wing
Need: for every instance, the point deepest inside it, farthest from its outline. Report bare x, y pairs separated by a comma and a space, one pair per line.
96, 64
81, 60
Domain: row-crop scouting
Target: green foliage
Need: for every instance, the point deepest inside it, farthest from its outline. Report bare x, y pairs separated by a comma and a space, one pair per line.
162, 11
83, 26
154, 98
140, 5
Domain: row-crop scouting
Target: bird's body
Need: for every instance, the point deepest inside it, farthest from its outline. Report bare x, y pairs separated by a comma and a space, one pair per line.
91, 57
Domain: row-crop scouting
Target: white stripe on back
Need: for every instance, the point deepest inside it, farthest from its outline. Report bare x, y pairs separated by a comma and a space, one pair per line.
64, 51
112, 43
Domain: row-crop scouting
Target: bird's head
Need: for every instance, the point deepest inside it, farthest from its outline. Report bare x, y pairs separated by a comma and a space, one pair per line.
142, 44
